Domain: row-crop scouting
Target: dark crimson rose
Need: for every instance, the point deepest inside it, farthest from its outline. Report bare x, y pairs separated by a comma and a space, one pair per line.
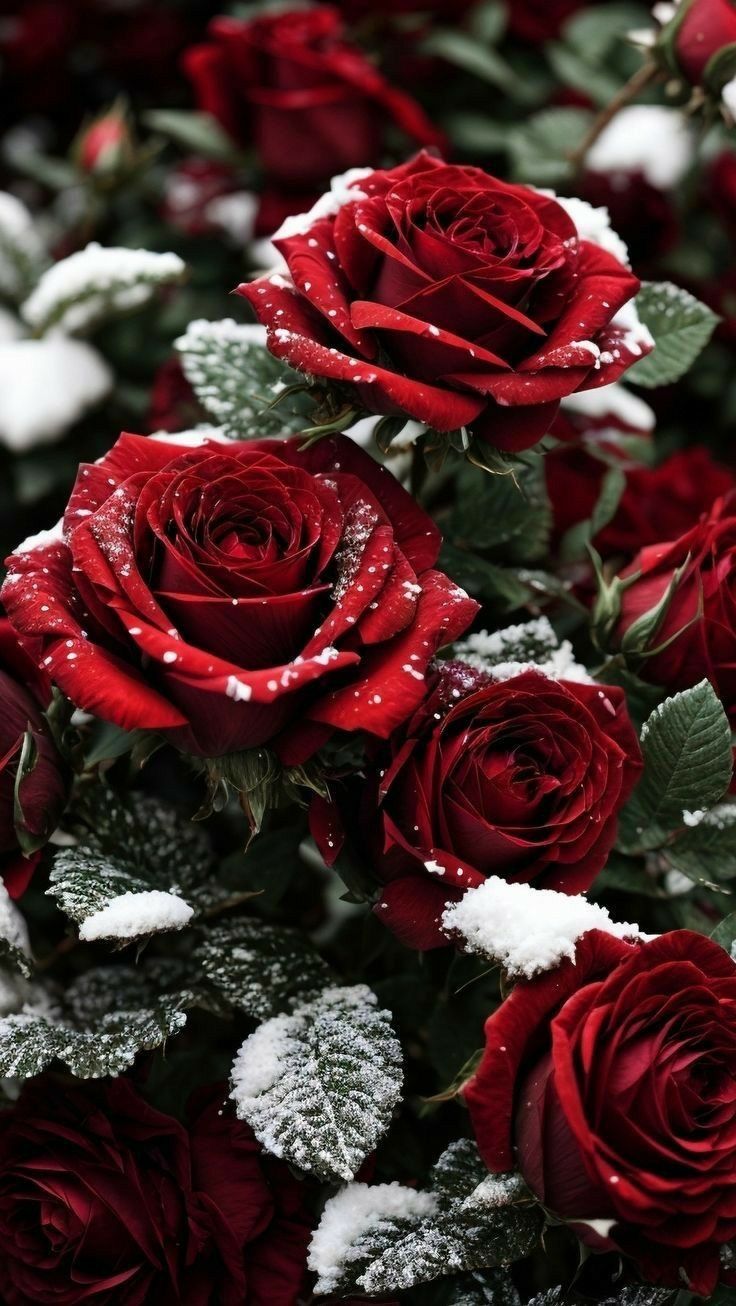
293, 88
721, 188
658, 503
611, 1083
642, 214
174, 405
105, 1199
225, 593
540, 20
32, 799
436, 290
700, 29
699, 626
521, 778
190, 190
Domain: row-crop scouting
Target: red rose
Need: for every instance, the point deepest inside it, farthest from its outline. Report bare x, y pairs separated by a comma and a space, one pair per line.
610, 1083
436, 290
658, 503
521, 778
537, 21
105, 1199
698, 630
30, 807
291, 86
224, 593
700, 30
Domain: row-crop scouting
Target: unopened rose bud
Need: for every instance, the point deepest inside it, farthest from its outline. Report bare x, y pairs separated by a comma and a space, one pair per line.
105, 148
698, 42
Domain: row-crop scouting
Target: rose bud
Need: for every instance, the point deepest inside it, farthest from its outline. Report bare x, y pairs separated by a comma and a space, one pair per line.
103, 1198
696, 41
521, 778
291, 86
535, 310
33, 778
609, 1082
104, 149
678, 613
227, 592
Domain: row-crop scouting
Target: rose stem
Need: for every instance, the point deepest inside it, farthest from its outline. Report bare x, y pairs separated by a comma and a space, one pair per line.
641, 78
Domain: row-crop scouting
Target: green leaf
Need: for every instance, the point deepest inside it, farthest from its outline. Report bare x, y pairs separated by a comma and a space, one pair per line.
103, 1021
199, 132
402, 1238
22, 254
506, 516
261, 969
686, 745
138, 870
540, 147
318, 1087
681, 327
573, 544
242, 387
14, 946
466, 52
725, 934
706, 850
95, 284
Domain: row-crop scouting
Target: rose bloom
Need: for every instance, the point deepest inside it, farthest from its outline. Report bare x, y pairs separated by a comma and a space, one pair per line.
521, 778
29, 810
227, 592
290, 85
103, 1198
698, 629
658, 503
436, 290
701, 29
611, 1084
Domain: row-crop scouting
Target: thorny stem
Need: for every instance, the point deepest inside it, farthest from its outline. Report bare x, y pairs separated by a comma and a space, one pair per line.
648, 73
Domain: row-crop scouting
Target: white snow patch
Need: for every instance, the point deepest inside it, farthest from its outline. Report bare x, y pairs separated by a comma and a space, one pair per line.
637, 336
12, 924
647, 138
500, 652
610, 401
593, 224
42, 539
77, 290
728, 95
131, 915
193, 438
526, 930
343, 190
46, 386
260, 1061
350, 1215
234, 214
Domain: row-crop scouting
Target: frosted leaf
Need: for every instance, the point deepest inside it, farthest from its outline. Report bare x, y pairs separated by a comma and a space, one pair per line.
45, 387
260, 968
237, 380
388, 1238
139, 869
14, 945
523, 929
22, 255
318, 1087
103, 1021
531, 646
97, 283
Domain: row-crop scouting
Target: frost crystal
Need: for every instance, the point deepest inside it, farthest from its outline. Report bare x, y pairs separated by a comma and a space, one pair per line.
532, 646
318, 1087
526, 930
359, 1210
130, 915
95, 283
